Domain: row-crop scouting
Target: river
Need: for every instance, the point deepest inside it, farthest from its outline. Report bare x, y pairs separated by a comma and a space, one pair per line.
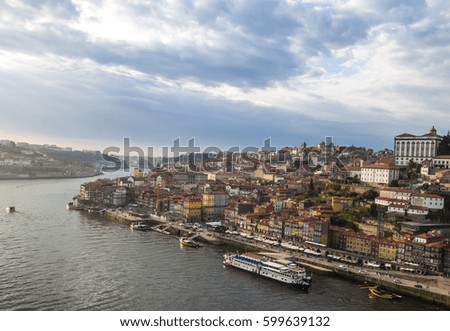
52, 258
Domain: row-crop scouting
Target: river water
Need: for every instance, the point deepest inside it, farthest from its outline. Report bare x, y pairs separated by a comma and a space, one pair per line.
55, 259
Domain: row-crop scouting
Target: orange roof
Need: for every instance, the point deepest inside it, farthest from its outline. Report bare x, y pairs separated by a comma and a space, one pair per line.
434, 196
394, 189
380, 166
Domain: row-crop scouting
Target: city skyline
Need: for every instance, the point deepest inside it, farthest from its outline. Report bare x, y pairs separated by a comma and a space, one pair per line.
86, 75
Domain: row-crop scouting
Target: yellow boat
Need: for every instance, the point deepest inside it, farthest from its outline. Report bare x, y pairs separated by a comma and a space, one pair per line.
185, 241
383, 293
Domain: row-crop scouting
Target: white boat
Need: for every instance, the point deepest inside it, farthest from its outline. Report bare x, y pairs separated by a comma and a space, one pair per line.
10, 209
286, 273
139, 226
188, 242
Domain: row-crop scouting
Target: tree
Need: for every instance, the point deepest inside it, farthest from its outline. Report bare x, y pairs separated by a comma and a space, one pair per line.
370, 195
394, 183
411, 169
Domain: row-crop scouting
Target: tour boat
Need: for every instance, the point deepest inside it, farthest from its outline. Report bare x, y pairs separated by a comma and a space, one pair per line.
289, 273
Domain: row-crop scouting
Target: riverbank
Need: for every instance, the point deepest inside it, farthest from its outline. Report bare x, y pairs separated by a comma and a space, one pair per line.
19, 177
434, 289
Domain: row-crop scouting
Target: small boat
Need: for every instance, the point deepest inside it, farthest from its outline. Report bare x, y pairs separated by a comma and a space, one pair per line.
10, 209
185, 241
383, 293
72, 206
139, 226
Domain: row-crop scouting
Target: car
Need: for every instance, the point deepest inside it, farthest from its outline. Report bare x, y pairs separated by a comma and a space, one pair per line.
342, 266
398, 281
418, 286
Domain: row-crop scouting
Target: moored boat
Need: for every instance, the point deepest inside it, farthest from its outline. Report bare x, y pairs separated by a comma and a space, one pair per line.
290, 273
383, 293
140, 226
72, 206
185, 241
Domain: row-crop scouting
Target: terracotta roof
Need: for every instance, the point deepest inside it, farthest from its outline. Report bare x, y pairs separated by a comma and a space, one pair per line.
405, 135
418, 208
433, 196
380, 166
398, 201
394, 189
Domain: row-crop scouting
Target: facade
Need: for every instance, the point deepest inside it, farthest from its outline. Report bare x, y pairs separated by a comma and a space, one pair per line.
430, 201
213, 206
311, 229
193, 209
339, 203
98, 192
379, 173
441, 162
406, 201
423, 253
416, 148
119, 197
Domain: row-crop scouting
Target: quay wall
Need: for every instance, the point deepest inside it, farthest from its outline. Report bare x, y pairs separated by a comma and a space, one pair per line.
420, 293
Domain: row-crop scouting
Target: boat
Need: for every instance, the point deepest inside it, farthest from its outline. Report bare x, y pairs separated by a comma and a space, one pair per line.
72, 206
10, 209
185, 241
290, 273
383, 293
140, 226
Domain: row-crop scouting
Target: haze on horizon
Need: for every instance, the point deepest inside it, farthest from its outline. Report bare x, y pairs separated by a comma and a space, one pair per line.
86, 74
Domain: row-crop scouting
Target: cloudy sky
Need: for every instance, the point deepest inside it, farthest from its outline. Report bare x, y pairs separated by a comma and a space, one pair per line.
89, 73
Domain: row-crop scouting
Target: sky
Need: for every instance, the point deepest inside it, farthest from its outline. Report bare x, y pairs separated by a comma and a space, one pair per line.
88, 74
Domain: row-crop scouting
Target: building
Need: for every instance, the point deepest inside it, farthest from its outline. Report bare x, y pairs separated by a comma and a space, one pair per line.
213, 206
380, 173
441, 162
409, 202
431, 201
416, 148
340, 203
423, 253
303, 229
193, 209
381, 249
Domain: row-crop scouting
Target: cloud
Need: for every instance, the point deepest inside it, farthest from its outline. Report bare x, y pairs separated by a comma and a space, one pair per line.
227, 72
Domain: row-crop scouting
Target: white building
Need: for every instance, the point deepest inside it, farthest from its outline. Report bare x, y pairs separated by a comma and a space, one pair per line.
441, 162
379, 173
430, 201
417, 148
119, 197
406, 201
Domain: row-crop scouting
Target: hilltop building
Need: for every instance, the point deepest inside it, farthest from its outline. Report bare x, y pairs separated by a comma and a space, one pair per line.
416, 148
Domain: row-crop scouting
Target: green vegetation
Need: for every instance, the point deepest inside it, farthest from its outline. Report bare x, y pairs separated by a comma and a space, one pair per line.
370, 195
354, 214
338, 221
